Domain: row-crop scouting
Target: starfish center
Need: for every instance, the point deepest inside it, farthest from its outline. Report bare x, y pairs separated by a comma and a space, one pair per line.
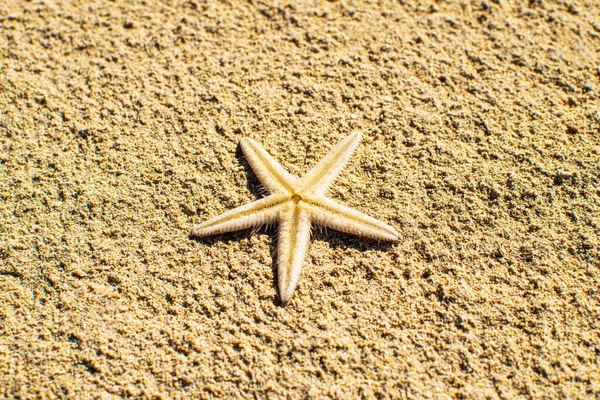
296, 198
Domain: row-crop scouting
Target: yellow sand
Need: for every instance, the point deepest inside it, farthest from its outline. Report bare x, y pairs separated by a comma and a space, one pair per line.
119, 130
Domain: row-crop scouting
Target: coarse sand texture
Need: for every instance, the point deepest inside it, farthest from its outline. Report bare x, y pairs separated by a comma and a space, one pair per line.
120, 130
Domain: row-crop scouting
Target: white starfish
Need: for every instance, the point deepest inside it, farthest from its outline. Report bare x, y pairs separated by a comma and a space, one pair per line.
296, 203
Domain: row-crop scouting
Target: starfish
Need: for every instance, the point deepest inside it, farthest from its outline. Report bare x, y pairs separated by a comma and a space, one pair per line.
296, 203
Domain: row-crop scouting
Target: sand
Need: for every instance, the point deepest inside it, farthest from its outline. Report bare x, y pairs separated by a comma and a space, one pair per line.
119, 130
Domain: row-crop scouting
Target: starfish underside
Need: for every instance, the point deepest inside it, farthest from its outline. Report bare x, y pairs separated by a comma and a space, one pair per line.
296, 203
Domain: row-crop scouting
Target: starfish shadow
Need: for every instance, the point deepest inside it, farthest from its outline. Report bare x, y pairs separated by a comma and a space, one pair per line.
255, 187
252, 182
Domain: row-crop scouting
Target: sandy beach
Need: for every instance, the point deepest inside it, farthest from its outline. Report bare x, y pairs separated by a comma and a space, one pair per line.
120, 124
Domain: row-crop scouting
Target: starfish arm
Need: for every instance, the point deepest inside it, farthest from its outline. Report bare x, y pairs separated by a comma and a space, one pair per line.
327, 212
294, 235
322, 175
259, 212
270, 173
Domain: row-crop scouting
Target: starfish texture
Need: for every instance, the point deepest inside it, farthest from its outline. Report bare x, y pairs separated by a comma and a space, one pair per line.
296, 203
